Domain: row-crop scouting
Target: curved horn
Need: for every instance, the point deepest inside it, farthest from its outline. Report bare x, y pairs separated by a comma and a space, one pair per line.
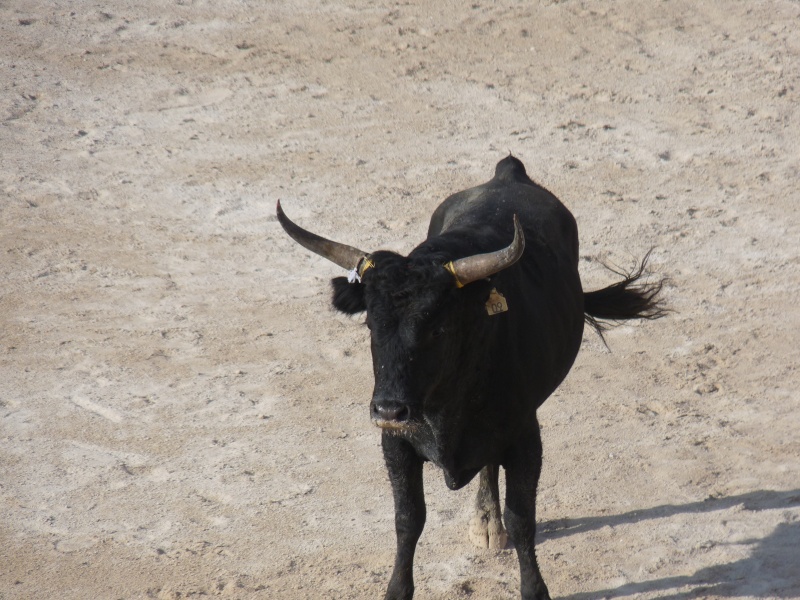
343, 255
479, 266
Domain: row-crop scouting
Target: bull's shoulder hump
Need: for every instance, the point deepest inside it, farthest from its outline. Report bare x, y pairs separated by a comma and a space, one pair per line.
454, 206
511, 169
510, 190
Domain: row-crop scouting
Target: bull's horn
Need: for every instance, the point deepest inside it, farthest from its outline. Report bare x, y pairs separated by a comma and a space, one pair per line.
479, 266
343, 255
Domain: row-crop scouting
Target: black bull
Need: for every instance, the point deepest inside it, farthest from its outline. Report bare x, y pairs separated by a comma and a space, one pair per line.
470, 335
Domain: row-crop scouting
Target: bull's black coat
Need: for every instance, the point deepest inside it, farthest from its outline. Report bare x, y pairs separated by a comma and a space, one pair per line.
459, 387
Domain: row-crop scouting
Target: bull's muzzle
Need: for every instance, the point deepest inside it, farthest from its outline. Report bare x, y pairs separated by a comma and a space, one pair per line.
390, 415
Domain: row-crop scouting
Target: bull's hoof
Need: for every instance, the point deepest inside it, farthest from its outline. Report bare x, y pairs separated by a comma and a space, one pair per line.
399, 593
487, 532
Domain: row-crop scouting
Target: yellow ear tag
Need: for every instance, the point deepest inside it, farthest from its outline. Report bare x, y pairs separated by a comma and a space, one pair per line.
496, 303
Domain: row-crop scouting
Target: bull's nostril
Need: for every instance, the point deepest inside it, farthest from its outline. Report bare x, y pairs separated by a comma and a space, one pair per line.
403, 414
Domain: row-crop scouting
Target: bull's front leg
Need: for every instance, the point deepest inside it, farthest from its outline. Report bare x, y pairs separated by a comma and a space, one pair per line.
523, 464
405, 474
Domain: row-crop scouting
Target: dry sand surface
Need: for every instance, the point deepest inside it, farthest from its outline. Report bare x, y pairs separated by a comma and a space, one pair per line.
182, 414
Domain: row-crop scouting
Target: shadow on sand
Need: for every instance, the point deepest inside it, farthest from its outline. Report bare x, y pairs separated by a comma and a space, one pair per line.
771, 571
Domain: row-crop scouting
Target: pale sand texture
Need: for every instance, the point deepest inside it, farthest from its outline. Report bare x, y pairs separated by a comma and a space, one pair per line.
182, 415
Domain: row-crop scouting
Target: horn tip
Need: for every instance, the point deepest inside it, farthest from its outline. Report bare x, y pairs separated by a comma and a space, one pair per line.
518, 232
518, 226
282, 218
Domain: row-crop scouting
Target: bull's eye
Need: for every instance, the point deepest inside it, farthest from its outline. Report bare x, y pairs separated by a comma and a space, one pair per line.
438, 332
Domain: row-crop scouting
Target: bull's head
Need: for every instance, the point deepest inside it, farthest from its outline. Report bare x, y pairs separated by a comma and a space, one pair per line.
421, 311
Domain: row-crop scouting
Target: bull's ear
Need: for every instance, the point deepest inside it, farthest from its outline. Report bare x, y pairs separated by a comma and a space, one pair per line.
348, 297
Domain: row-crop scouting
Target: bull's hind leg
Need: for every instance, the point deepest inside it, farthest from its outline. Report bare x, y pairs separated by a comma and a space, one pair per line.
523, 464
486, 526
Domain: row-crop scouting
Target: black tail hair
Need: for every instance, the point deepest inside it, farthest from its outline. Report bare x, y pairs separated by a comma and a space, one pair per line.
626, 299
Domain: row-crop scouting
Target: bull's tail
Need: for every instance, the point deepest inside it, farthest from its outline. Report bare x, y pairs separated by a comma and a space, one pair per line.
630, 298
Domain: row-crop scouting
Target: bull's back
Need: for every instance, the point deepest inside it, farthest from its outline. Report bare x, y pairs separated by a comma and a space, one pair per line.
535, 342
487, 211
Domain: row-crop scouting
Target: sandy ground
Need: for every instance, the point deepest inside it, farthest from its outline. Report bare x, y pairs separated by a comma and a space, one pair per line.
182, 414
